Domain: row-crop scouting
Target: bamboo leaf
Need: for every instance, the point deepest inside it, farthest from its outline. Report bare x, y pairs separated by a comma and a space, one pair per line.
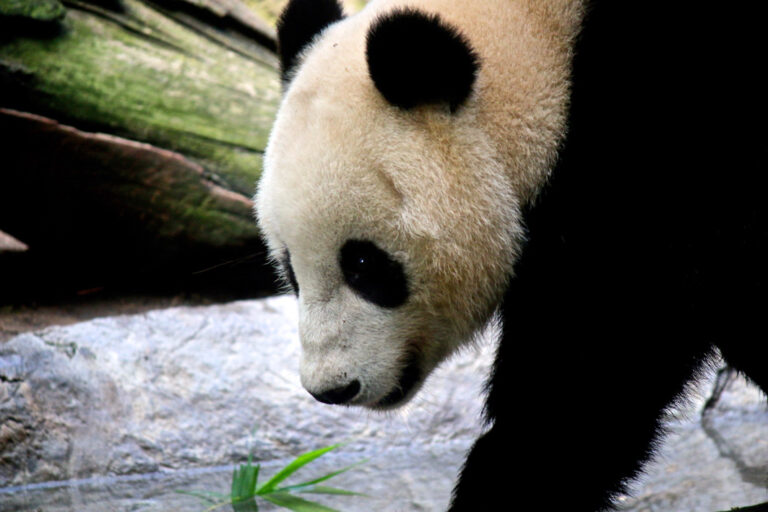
244, 481
295, 503
321, 489
248, 505
294, 466
321, 479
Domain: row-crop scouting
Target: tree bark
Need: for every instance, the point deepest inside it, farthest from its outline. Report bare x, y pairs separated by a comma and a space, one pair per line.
195, 78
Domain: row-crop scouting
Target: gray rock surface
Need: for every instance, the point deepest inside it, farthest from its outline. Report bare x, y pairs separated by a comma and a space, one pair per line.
185, 387
118, 413
710, 460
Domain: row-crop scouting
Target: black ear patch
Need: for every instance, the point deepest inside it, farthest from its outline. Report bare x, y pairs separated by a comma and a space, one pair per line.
415, 58
299, 23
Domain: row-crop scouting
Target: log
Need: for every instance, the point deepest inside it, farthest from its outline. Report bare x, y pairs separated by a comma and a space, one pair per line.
133, 133
39, 10
149, 72
98, 211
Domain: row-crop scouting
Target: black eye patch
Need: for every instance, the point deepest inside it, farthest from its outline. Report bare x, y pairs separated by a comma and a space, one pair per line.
285, 261
373, 274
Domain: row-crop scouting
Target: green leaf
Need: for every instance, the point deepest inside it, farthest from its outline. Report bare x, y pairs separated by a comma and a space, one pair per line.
295, 503
321, 489
249, 505
294, 466
244, 481
321, 479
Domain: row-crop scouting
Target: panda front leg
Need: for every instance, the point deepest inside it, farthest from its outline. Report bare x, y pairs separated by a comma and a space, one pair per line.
576, 411
574, 456
739, 325
539, 473
748, 353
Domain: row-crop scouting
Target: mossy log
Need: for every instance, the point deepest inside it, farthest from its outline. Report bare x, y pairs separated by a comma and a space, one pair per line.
173, 74
197, 78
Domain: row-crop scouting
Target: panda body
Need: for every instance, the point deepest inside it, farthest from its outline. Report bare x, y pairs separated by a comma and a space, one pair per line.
435, 161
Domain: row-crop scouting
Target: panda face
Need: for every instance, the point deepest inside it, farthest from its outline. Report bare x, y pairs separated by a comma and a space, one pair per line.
389, 206
384, 231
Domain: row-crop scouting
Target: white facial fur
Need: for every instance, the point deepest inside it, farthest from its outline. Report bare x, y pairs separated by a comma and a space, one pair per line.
440, 192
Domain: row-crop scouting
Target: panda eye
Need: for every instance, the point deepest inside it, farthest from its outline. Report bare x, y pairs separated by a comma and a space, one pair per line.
285, 261
373, 274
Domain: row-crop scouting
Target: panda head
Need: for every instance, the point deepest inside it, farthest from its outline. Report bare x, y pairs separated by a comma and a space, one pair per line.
384, 198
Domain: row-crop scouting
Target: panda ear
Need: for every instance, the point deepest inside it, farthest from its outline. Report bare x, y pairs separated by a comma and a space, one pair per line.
415, 58
299, 23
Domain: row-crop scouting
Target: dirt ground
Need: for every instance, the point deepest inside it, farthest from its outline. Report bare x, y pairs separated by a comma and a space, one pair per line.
19, 318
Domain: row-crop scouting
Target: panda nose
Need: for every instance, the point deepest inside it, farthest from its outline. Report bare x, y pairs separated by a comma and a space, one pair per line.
340, 395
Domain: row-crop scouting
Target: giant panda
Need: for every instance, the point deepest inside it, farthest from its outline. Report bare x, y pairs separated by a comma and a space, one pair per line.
585, 169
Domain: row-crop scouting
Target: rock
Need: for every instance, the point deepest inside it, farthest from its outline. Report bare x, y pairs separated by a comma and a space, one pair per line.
136, 407
710, 460
185, 388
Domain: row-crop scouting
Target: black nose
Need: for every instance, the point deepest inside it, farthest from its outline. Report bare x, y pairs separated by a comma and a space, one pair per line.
340, 395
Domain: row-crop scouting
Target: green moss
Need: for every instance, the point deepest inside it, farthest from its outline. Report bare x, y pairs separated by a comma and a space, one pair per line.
40, 10
141, 75
354, 5
267, 9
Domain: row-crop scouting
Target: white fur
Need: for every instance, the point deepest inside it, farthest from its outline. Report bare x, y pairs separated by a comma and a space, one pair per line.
440, 192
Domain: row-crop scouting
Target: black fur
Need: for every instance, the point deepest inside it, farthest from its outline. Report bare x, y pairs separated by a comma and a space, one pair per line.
299, 23
415, 58
373, 274
648, 249
288, 271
